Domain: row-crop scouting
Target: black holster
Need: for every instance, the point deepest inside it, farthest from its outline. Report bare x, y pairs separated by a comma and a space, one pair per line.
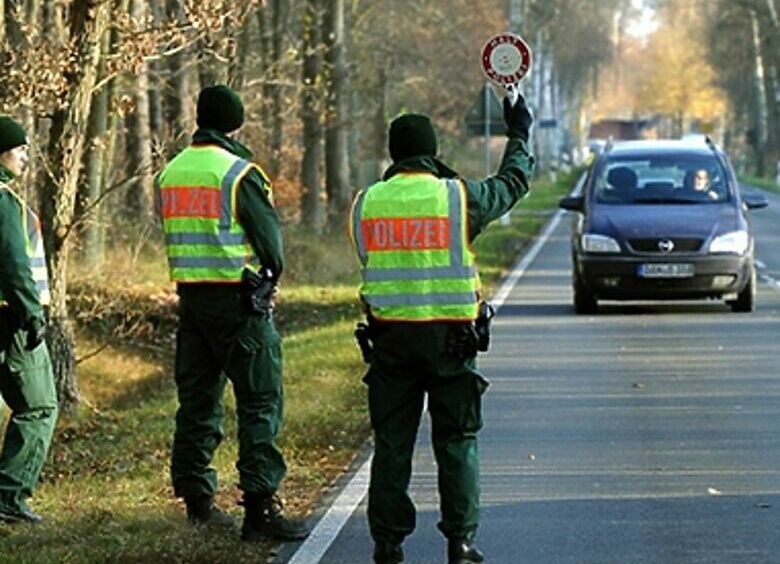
482, 324
363, 336
465, 340
257, 290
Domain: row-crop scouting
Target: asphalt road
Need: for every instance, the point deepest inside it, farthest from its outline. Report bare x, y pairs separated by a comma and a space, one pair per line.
649, 433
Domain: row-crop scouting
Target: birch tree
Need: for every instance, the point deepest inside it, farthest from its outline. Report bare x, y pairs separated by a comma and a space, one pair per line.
87, 22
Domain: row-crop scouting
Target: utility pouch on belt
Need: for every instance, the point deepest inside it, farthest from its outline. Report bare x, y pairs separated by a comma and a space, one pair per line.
257, 290
462, 341
485, 317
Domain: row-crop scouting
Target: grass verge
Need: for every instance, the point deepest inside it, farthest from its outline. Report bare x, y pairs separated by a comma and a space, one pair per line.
765, 183
106, 492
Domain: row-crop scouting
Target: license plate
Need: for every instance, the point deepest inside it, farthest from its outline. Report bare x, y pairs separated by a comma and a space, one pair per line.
666, 270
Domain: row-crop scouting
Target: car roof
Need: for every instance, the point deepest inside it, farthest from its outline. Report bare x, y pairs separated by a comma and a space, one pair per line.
660, 146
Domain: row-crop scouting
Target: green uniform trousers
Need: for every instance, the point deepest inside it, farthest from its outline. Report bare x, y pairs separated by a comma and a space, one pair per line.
218, 341
410, 360
27, 387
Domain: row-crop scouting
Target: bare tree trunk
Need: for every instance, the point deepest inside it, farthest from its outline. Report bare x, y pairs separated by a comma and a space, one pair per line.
138, 197
238, 51
178, 104
774, 7
761, 109
156, 121
93, 230
380, 119
207, 63
88, 23
12, 39
2, 27
337, 184
272, 19
113, 92
770, 31
311, 201
264, 26
14, 18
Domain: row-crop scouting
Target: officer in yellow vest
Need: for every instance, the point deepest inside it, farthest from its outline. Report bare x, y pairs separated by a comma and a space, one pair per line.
26, 380
420, 287
224, 250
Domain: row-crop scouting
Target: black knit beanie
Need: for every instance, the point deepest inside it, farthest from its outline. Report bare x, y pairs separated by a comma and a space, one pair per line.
220, 108
12, 134
412, 135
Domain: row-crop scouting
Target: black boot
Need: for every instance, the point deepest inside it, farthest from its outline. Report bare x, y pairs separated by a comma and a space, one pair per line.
461, 551
20, 515
264, 520
388, 553
202, 511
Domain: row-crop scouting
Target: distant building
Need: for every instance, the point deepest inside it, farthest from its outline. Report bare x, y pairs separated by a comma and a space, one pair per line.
621, 129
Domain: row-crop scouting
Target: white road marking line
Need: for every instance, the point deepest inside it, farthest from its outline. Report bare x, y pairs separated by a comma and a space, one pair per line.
527, 258
522, 265
766, 278
328, 528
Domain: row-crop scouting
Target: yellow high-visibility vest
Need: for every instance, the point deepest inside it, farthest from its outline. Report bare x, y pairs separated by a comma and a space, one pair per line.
204, 240
411, 236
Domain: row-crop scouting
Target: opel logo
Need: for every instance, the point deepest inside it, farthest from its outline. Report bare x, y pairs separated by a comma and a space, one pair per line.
665, 245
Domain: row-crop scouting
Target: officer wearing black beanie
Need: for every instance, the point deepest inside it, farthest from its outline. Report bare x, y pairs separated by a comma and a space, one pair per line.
220, 108
224, 247
412, 135
12, 134
421, 303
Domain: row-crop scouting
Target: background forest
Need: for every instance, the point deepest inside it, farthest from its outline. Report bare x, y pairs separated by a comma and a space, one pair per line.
107, 91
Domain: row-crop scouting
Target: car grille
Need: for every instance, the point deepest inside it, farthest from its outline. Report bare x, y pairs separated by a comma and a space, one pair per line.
681, 245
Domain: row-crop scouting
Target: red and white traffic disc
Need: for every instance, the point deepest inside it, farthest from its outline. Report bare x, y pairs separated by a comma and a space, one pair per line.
506, 59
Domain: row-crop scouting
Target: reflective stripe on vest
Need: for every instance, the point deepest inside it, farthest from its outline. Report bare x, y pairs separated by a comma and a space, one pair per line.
203, 239
411, 238
35, 251
37, 257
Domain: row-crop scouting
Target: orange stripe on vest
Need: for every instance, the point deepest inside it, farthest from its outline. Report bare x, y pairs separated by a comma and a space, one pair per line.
191, 202
406, 234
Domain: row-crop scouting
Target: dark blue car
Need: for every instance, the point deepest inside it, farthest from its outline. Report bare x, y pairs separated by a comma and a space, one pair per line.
662, 220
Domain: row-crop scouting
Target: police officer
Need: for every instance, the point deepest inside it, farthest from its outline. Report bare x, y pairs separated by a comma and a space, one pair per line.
420, 288
26, 380
221, 228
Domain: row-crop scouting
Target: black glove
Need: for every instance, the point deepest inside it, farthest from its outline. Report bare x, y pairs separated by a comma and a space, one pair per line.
36, 333
517, 117
259, 290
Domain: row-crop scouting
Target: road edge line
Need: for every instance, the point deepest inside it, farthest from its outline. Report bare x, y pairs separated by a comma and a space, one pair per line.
528, 256
329, 526
524, 262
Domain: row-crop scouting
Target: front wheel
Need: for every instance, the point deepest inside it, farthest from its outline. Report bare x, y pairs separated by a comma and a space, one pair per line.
584, 300
746, 299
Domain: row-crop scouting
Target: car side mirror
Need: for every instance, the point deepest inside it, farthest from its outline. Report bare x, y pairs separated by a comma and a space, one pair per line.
754, 201
572, 203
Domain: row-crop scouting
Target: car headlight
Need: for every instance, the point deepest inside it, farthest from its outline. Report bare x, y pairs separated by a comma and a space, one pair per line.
592, 243
735, 242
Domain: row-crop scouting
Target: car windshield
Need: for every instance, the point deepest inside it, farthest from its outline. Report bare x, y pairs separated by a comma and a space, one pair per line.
661, 179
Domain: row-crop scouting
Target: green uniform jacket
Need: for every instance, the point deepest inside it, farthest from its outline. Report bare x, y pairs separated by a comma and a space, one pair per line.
490, 198
255, 210
16, 278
